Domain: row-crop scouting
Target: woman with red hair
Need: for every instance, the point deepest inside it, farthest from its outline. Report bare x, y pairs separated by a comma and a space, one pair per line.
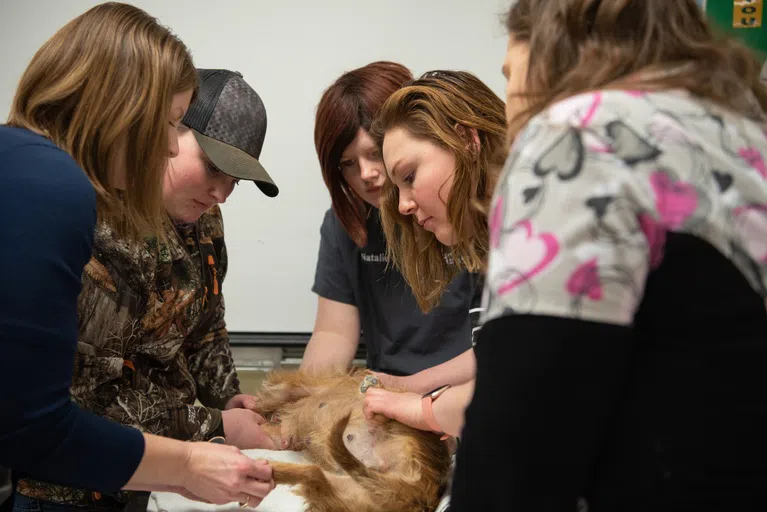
358, 290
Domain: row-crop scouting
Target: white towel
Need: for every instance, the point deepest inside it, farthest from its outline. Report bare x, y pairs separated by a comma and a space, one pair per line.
281, 499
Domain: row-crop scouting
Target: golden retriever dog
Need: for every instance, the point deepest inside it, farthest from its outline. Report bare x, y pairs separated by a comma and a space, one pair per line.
357, 465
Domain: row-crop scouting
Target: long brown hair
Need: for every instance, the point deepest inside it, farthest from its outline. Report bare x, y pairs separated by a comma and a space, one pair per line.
349, 104
582, 45
101, 89
445, 108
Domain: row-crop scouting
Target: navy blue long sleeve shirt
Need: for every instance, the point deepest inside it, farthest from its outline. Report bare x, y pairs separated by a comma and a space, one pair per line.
47, 218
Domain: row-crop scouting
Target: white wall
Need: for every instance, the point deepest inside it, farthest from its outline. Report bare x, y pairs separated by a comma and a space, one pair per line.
289, 51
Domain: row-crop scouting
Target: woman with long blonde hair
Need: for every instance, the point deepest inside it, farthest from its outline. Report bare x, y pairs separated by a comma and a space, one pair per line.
91, 128
443, 141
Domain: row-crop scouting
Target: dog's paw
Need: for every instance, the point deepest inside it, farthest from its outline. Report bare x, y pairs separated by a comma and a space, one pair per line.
370, 381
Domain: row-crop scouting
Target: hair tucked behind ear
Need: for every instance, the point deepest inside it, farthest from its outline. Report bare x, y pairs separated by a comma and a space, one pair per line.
445, 108
101, 89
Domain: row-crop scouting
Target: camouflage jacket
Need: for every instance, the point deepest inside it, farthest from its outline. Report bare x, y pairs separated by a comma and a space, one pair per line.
152, 339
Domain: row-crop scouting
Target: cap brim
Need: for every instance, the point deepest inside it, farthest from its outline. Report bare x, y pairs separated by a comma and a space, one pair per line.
236, 163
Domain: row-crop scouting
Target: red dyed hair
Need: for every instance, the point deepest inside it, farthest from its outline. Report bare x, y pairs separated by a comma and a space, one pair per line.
349, 104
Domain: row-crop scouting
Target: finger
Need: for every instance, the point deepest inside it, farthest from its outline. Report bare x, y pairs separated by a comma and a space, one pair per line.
373, 407
376, 404
259, 419
379, 394
253, 501
252, 404
258, 470
377, 412
267, 443
257, 488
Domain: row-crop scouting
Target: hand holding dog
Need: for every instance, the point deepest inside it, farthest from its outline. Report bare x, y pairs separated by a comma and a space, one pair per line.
242, 428
403, 407
221, 474
242, 401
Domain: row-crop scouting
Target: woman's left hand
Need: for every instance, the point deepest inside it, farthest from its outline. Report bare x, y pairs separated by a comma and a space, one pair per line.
402, 407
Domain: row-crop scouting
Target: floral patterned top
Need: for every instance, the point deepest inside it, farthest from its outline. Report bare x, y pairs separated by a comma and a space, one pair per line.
594, 185
624, 342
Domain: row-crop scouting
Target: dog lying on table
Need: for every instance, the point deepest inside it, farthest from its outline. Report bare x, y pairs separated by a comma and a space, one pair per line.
358, 465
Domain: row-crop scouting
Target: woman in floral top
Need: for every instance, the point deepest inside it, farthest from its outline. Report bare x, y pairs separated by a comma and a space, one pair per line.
623, 353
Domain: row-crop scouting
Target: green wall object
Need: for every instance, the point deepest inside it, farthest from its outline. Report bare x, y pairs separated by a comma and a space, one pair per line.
745, 19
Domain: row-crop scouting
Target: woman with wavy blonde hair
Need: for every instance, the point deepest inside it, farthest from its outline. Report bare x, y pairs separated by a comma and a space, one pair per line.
89, 135
443, 142
445, 130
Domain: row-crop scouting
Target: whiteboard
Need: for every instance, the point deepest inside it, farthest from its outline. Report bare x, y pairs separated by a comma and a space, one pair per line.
289, 51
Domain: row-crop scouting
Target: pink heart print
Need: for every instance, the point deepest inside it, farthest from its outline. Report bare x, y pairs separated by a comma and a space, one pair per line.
676, 202
591, 112
656, 238
585, 281
754, 158
527, 253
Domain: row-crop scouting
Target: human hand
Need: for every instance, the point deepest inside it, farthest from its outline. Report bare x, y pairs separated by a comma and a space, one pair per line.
242, 428
403, 407
281, 435
277, 432
242, 401
222, 474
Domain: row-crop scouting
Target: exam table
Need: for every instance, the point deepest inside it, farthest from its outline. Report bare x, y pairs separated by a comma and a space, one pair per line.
281, 499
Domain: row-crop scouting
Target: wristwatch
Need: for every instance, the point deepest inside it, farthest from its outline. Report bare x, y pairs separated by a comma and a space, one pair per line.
428, 414
218, 434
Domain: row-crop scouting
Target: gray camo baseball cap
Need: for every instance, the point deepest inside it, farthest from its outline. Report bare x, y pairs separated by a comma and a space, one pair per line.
228, 120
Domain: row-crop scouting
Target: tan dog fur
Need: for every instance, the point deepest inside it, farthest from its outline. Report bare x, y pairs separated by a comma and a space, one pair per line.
358, 465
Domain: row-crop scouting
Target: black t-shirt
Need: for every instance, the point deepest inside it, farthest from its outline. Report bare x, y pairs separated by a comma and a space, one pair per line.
400, 339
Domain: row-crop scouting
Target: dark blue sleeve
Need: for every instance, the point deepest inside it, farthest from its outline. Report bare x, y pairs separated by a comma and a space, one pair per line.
48, 212
331, 278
